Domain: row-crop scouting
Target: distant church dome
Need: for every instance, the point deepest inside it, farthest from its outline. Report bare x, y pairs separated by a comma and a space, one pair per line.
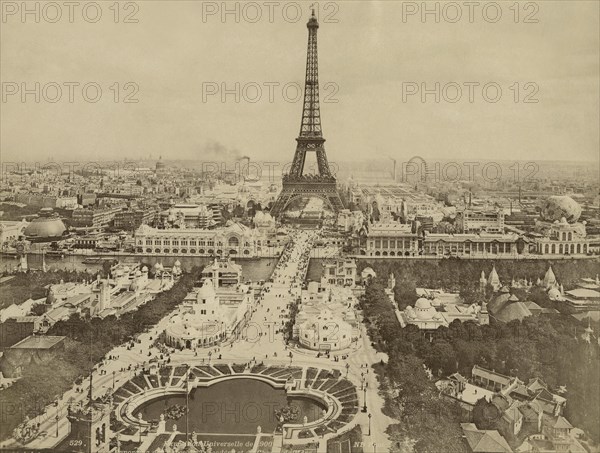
556, 208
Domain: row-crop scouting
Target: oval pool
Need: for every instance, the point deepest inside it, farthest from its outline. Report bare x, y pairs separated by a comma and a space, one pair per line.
236, 407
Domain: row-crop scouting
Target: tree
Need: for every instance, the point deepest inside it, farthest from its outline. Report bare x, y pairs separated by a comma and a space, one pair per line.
472, 295
405, 293
467, 354
441, 358
486, 415
106, 267
39, 309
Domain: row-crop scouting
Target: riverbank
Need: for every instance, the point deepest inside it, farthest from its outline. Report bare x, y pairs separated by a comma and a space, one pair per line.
253, 269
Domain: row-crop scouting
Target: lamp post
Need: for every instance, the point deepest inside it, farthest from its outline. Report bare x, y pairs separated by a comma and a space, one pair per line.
56, 418
113, 373
374, 447
364, 409
369, 425
347, 368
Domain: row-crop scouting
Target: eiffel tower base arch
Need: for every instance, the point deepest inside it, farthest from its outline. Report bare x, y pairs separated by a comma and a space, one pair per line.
307, 187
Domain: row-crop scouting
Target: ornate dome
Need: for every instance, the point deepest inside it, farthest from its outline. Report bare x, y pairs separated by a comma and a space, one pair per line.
422, 304
424, 310
45, 227
555, 208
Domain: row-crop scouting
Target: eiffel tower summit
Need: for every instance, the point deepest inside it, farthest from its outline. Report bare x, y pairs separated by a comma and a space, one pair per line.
298, 186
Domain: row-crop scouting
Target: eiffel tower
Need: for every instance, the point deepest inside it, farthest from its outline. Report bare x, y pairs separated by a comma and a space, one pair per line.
295, 184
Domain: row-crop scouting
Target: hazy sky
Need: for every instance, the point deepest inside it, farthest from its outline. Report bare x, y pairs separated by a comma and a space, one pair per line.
368, 52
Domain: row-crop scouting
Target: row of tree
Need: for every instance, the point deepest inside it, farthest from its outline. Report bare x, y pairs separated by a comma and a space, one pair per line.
426, 422
32, 285
88, 342
454, 274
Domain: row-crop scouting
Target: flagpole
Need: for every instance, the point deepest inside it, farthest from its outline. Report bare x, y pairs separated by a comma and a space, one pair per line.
187, 408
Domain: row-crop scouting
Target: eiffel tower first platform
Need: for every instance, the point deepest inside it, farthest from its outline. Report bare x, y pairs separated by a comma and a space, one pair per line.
296, 184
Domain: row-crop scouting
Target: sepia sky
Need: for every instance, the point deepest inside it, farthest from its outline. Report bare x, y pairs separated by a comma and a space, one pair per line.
370, 55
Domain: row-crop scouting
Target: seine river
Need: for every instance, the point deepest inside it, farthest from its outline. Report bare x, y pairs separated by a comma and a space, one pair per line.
253, 269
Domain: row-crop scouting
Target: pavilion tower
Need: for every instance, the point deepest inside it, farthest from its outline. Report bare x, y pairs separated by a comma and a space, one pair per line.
296, 184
